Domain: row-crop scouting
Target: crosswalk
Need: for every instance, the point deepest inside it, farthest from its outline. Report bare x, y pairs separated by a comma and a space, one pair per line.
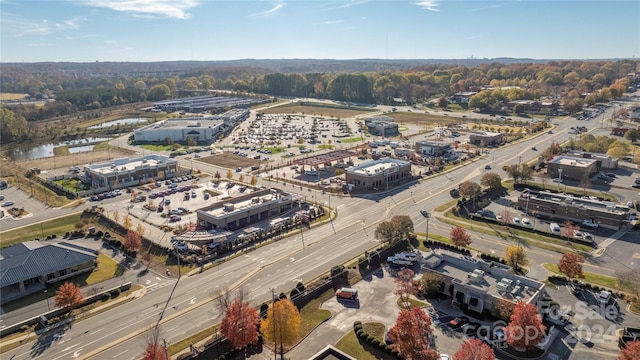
153, 286
597, 252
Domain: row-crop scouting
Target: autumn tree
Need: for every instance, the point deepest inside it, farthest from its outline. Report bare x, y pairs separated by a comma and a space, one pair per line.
132, 241
469, 189
409, 335
116, 216
491, 181
460, 237
68, 295
217, 176
254, 181
506, 217
568, 229
229, 174
632, 135
240, 324
474, 349
571, 265
516, 257
631, 352
399, 228
126, 223
430, 283
503, 308
282, 324
141, 230
525, 330
404, 285
153, 349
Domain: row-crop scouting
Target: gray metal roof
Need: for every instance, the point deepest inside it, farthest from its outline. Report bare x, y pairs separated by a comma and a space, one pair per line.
32, 259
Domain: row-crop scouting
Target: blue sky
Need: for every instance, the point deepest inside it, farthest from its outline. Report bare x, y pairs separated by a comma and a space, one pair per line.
160, 30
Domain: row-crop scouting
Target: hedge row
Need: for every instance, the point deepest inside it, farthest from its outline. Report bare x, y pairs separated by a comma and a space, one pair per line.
363, 335
443, 245
590, 286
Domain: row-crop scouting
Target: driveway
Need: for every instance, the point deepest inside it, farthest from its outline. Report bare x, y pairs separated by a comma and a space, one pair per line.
377, 303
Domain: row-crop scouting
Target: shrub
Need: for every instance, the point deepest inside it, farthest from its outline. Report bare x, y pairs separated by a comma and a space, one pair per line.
337, 270
363, 262
363, 335
115, 293
263, 310
360, 333
370, 338
300, 287
382, 346
105, 297
375, 342
282, 296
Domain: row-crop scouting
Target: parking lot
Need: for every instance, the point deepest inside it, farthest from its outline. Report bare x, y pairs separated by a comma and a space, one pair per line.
12, 197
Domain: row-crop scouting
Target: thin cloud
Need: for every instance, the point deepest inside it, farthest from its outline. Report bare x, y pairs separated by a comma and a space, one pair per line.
495, 6
331, 22
276, 7
13, 26
428, 5
176, 9
70, 24
350, 4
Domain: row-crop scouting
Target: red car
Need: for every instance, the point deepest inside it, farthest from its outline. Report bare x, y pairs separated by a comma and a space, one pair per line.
458, 322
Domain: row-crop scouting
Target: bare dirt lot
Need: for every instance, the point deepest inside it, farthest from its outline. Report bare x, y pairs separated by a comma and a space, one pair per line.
319, 109
230, 161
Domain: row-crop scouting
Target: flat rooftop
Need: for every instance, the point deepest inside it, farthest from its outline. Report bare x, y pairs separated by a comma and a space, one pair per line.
196, 123
374, 167
325, 158
231, 207
126, 164
575, 201
572, 161
461, 269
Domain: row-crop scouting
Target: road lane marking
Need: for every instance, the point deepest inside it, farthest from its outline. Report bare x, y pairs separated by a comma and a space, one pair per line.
118, 355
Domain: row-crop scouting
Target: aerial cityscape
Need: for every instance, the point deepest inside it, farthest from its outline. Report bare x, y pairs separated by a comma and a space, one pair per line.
432, 180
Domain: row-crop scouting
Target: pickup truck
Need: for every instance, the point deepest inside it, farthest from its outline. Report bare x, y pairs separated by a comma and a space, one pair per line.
399, 260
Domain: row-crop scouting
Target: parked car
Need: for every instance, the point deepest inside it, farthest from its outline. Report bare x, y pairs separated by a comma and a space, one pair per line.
590, 224
174, 218
8, 203
554, 227
458, 322
604, 297
516, 220
526, 222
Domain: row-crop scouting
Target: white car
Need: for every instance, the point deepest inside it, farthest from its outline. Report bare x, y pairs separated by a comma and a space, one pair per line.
526, 222
604, 297
557, 180
499, 217
590, 224
516, 220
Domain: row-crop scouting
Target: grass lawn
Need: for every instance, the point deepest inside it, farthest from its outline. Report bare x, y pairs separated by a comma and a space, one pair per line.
12, 96
311, 315
351, 345
40, 230
445, 206
351, 140
152, 147
596, 279
325, 147
414, 303
71, 184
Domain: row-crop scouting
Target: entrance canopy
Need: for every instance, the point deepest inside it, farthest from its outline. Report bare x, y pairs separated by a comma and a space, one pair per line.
325, 158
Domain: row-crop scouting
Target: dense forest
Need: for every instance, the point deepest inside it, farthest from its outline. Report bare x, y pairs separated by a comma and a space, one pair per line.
81, 87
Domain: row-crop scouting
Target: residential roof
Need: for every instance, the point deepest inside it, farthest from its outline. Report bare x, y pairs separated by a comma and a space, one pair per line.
32, 259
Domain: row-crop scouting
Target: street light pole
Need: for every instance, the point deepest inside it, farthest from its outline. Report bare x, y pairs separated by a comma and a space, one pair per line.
426, 216
46, 296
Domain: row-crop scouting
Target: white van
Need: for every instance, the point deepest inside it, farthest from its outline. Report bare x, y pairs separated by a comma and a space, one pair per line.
554, 227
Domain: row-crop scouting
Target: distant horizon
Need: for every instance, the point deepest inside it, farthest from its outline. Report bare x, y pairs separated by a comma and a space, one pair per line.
84, 31
320, 59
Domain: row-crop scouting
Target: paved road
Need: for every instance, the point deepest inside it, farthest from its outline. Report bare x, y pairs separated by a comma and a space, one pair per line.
278, 266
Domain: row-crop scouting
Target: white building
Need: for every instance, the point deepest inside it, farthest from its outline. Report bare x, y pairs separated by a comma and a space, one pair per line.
129, 171
378, 174
199, 129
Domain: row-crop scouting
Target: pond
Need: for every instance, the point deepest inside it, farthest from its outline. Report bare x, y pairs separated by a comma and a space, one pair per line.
119, 122
22, 153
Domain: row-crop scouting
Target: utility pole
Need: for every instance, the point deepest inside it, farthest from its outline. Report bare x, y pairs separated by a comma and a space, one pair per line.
166, 351
273, 315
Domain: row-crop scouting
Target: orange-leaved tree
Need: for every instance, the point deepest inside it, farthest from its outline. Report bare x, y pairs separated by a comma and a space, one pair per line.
631, 352
474, 349
525, 330
405, 285
410, 335
132, 241
459, 237
571, 265
68, 295
240, 324
153, 350
282, 324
